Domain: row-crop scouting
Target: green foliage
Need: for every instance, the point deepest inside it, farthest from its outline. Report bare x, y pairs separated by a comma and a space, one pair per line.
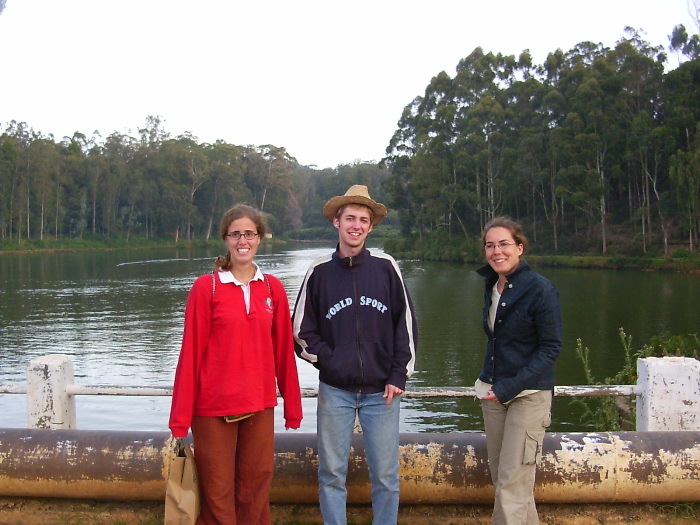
156, 187
673, 345
576, 149
439, 246
600, 262
96, 242
596, 152
609, 413
682, 254
681, 510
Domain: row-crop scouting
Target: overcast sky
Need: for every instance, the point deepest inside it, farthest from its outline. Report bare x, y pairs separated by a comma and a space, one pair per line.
327, 80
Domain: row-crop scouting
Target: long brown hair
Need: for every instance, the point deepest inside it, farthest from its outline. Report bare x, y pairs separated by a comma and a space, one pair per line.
239, 211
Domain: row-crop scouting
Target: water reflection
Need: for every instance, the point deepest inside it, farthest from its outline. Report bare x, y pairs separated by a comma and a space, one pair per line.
119, 316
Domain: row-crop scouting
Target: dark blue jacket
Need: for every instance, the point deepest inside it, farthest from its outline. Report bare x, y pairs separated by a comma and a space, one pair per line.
527, 334
354, 321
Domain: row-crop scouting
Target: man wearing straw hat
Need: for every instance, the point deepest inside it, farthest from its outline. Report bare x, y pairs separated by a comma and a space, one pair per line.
354, 321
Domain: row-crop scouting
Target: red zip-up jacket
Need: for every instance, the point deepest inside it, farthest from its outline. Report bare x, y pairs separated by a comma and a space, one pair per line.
232, 362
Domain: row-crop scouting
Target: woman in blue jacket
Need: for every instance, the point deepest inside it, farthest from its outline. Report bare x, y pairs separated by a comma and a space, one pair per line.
522, 320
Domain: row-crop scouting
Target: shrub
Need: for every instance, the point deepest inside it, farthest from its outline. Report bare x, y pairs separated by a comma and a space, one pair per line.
618, 413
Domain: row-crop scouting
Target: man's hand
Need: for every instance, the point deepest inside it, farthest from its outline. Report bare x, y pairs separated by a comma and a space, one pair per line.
390, 391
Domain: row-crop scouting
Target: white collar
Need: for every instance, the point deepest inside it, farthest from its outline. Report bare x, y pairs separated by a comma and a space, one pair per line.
227, 277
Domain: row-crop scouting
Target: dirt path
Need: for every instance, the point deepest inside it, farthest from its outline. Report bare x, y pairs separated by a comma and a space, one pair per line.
45, 511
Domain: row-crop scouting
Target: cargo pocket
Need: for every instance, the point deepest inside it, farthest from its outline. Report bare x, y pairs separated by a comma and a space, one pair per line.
533, 446
547, 420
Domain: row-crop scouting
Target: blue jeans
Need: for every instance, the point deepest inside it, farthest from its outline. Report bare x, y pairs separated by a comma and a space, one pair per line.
380, 430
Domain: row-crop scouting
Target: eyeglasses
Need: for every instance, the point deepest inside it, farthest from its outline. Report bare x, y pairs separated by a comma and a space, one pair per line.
249, 235
503, 245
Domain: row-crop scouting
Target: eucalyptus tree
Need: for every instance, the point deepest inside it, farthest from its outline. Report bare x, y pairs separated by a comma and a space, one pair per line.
70, 185
550, 114
531, 189
400, 199
13, 146
430, 162
483, 122
126, 185
225, 186
681, 106
8, 170
267, 173
181, 168
685, 177
198, 171
123, 181
421, 157
684, 44
153, 134
96, 169
275, 174
304, 180
42, 179
592, 124
401, 149
681, 113
438, 178
449, 155
639, 69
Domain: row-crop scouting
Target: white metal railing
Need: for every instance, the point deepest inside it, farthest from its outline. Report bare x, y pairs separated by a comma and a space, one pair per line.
667, 392
414, 392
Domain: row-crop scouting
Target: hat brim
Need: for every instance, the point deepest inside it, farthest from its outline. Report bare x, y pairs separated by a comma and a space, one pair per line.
331, 207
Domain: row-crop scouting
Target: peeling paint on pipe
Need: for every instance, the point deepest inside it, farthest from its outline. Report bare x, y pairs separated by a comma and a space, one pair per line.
83, 464
434, 468
624, 466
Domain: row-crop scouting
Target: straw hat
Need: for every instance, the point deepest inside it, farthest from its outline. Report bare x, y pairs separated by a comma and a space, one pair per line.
357, 194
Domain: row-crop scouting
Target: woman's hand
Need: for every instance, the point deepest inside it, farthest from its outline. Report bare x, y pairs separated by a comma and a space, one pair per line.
490, 396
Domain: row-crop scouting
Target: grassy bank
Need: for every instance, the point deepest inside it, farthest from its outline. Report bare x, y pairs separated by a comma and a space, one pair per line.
683, 261
95, 243
674, 264
109, 243
441, 249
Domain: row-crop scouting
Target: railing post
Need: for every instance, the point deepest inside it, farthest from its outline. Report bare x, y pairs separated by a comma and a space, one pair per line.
669, 394
48, 403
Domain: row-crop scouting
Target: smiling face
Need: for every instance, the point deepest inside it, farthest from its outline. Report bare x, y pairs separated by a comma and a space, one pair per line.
353, 224
242, 250
502, 251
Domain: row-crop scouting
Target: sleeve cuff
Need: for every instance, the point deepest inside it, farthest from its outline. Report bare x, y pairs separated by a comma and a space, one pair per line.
292, 423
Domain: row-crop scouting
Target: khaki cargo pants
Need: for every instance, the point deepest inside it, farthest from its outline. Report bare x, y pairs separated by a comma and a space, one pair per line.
514, 435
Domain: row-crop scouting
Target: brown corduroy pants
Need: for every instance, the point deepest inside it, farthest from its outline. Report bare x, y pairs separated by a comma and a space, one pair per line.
235, 462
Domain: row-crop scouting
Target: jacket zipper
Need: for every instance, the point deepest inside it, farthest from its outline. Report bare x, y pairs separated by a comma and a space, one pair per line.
357, 327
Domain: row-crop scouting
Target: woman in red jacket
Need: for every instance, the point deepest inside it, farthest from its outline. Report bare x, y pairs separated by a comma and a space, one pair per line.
237, 350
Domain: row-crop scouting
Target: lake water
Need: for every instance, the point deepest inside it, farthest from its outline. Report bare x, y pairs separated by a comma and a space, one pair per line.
118, 315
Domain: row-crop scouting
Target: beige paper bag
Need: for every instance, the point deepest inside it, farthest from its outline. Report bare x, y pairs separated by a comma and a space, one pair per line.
182, 491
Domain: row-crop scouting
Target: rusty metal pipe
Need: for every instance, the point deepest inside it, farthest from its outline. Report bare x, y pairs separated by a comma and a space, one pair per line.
435, 469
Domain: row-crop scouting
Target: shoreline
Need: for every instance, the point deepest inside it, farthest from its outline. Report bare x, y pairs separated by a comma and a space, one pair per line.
582, 261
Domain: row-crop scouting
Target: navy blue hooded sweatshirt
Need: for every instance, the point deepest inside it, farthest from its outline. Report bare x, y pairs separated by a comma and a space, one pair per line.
354, 321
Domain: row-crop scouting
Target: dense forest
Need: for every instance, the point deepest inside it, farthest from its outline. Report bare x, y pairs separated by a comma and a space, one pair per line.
156, 186
596, 151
